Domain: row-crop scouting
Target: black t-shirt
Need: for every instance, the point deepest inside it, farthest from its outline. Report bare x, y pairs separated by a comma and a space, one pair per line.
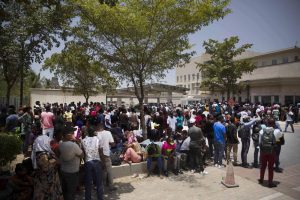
231, 133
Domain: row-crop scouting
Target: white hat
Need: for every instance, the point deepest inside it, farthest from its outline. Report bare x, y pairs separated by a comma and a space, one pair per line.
258, 110
192, 120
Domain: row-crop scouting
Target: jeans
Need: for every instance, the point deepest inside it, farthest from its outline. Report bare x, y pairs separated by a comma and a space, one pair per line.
159, 164
93, 172
245, 149
287, 123
175, 160
219, 152
107, 171
277, 149
267, 159
49, 132
69, 182
256, 150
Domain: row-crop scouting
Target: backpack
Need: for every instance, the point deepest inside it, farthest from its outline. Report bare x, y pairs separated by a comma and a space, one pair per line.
152, 149
242, 132
267, 141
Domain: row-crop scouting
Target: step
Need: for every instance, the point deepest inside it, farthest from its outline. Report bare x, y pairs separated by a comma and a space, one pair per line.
128, 170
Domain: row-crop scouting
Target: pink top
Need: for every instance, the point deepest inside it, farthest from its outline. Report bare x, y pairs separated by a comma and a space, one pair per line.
47, 120
168, 148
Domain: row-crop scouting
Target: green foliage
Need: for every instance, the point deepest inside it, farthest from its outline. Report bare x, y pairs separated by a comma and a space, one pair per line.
140, 40
76, 68
27, 30
10, 147
222, 71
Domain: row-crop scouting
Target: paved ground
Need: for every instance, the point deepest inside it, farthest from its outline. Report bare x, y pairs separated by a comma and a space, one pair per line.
195, 186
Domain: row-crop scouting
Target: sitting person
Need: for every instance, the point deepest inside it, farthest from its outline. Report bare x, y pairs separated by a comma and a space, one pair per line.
21, 183
169, 155
133, 153
154, 153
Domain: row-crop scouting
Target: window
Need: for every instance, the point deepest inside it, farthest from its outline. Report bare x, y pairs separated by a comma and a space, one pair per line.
276, 99
274, 62
256, 99
197, 76
189, 86
180, 78
189, 77
266, 100
177, 78
285, 60
193, 77
288, 100
184, 78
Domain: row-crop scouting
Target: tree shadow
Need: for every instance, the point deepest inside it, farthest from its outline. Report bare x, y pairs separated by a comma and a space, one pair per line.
189, 178
122, 189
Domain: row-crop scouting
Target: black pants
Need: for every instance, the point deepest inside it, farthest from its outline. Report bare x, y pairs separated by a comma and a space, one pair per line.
277, 154
69, 183
196, 159
256, 151
211, 146
245, 149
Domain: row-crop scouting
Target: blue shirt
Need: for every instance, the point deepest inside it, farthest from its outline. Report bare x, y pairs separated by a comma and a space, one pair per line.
219, 132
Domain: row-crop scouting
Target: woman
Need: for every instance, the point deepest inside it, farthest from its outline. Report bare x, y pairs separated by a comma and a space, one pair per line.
133, 153
46, 179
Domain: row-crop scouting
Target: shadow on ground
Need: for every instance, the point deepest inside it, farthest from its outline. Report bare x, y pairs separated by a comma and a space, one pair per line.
122, 188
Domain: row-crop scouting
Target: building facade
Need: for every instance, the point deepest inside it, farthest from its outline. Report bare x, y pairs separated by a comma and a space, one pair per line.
275, 80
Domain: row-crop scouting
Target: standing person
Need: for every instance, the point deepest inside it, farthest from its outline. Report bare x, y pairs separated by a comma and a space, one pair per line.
219, 140
196, 159
26, 122
92, 166
209, 132
106, 141
289, 120
244, 133
171, 121
46, 180
70, 155
12, 119
267, 143
107, 119
279, 136
232, 141
47, 119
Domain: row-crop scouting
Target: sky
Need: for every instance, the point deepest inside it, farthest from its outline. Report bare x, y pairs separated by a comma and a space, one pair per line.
267, 24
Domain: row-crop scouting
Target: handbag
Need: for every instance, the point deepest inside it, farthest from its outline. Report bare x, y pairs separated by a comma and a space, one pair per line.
282, 140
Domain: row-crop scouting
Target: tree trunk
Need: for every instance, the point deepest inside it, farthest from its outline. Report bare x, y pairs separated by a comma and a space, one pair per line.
21, 84
142, 116
8, 89
228, 93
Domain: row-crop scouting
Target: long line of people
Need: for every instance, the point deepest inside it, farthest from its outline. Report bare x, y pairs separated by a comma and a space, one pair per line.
66, 141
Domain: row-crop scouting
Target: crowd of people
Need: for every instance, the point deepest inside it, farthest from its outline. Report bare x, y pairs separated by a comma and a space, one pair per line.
70, 146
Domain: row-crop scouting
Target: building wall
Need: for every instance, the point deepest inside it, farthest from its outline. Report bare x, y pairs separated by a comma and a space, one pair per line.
60, 96
276, 78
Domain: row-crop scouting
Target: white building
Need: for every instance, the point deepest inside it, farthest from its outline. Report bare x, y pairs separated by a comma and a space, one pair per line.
275, 80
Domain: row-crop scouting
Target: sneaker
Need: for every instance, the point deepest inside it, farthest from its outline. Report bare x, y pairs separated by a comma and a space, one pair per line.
260, 181
204, 172
134, 175
216, 165
220, 166
192, 171
271, 185
113, 189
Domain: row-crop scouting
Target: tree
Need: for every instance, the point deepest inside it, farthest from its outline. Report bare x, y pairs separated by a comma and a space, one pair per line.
141, 40
28, 29
222, 71
77, 69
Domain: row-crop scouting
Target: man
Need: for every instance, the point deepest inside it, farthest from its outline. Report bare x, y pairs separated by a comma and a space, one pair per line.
106, 141
267, 143
92, 166
26, 122
195, 146
255, 138
219, 140
289, 120
244, 134
231, 141
70, 155
171, 121
12, 120
107, 120
47, 119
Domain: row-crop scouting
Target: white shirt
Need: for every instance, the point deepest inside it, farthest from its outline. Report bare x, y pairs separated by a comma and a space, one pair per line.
172, 122
91, 146
278, 134
205, 113
105, 138
107, 117
186, 144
